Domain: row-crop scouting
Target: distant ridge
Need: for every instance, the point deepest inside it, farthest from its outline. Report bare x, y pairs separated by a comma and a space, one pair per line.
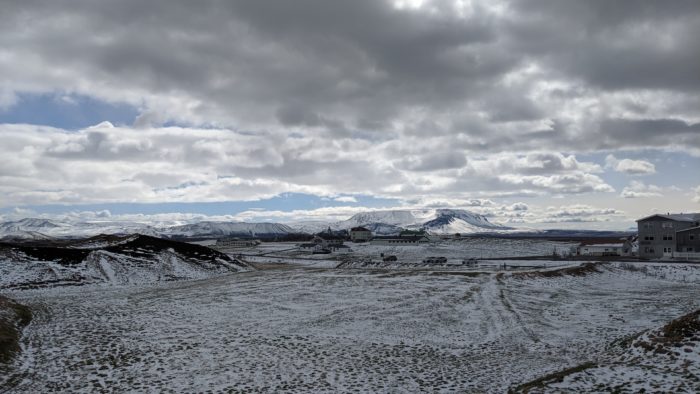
434, 221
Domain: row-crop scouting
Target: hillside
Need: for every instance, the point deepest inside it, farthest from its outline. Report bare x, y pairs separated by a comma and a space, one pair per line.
35, 229
223, 229
111, 260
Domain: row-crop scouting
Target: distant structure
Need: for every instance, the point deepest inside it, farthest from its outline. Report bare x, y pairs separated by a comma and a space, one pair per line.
236, 243
325, 242
621, 248
360, 234
401, 240
327, 238
659, 234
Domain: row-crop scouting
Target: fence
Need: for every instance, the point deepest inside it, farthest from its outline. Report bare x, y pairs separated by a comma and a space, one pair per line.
683, 255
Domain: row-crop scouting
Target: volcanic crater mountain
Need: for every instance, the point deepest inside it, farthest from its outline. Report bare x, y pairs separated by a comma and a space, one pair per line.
437, 221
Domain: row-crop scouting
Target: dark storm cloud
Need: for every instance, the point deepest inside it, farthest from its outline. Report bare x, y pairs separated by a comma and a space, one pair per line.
344, 97
648, 132
613, 44
359, 64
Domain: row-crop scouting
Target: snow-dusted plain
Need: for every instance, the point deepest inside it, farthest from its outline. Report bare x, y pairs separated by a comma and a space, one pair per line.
304, 329
411, 256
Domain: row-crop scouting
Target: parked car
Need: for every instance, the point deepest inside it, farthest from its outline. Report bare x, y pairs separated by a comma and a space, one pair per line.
389, 258
435, 260
470, 261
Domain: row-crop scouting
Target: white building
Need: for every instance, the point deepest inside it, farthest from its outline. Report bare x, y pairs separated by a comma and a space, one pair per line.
622, 248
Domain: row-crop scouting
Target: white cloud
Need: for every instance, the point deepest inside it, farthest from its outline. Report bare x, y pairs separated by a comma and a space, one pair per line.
104, 163
576, 182
345, 199
637, 189
696, 198
629, 166
443, 103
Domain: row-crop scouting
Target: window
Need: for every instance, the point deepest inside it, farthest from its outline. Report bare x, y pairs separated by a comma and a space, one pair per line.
649, 238
667, 224
688, 249
646, 250
692, 236
667, 237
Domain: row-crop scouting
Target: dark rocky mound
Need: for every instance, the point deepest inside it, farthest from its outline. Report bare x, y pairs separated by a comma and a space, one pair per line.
109, 258
13, 317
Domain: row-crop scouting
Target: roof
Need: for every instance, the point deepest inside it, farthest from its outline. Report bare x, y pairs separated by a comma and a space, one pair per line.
327, 236
604, 245
359, 229
678, 217
689, 229
606, 242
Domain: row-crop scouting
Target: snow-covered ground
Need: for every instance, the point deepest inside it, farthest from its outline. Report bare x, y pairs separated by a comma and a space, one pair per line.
328, 330
411, 256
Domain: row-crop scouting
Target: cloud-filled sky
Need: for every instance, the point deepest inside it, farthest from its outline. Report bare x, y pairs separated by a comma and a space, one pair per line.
559, 113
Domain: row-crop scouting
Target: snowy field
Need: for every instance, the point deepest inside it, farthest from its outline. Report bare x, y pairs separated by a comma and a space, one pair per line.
409, 256
329, 330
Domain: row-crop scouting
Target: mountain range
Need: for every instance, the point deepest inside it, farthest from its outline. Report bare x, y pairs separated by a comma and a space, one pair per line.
386, 222
434, 221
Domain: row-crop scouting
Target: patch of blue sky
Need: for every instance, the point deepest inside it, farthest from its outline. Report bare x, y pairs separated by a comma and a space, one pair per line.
66, 111
672, 168
285, 202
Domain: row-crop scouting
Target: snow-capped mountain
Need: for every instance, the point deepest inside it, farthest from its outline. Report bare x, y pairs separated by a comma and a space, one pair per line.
438, 221
222, 229
39, 229
450, 221
387, 222
400, 218
434, 221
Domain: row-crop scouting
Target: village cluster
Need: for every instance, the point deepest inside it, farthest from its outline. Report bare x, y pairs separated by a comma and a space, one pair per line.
670, 236
659, 236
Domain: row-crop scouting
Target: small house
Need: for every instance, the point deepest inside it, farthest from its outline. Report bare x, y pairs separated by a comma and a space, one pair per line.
360, 234
621, 248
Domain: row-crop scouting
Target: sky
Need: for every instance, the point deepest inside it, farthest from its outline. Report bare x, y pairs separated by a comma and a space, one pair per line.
549, 114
